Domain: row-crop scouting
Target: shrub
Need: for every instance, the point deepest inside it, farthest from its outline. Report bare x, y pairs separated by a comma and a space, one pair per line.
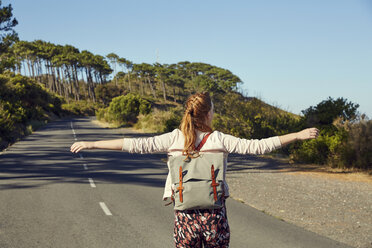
350, 146
326, 149
23, 101
330, 147
123, 110
81, 108
358, 151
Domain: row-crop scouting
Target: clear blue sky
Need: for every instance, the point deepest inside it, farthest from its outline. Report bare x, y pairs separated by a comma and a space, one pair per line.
292, 54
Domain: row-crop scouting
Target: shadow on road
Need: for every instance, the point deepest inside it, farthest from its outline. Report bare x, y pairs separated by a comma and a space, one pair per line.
45, 158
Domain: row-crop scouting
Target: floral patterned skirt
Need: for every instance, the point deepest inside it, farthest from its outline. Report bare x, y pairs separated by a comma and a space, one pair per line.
208, 227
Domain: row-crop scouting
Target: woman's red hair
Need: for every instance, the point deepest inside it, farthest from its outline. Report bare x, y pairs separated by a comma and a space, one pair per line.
196, 112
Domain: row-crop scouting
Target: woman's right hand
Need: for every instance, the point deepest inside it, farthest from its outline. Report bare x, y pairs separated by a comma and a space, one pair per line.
78, 146
309, 133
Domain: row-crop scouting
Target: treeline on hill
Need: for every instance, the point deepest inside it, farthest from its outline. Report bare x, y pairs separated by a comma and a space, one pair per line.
74, 74
150, 96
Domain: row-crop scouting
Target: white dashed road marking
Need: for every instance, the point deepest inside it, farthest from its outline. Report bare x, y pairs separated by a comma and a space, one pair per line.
92, 183
105, 208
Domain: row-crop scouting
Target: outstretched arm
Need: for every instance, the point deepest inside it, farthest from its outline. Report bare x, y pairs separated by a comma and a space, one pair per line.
116, 144
309, 133
159, 143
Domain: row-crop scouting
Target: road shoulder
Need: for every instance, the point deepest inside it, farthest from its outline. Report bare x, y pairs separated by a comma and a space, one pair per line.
332, 204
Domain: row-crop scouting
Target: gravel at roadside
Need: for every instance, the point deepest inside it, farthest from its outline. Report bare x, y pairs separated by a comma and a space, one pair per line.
338, 209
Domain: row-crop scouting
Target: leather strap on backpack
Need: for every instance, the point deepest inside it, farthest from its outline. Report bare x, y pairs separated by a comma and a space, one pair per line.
180, 188
201, 144
214, 184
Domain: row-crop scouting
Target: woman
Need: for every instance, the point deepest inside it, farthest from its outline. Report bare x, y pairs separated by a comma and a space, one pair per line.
202, 226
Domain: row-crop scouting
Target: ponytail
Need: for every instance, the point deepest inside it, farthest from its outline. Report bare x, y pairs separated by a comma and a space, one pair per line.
189, 132
194, 118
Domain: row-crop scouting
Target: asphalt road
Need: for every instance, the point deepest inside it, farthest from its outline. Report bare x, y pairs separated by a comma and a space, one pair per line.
50, 197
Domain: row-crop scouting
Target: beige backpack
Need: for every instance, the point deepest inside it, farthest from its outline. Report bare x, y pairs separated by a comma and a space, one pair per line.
198, 183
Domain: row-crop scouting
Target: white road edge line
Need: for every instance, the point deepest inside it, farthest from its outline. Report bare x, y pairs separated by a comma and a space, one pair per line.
92, 183
105, 208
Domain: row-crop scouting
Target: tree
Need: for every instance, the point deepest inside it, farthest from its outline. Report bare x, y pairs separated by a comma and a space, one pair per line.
129, 66
149, 72
176, 80
162, 76
145, 72
7, 23
106, 92
114, 59
328, 110
206, 77
7, 36
86, 59
62, 69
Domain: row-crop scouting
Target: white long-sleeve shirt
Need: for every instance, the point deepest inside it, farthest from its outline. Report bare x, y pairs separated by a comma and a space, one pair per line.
173, 143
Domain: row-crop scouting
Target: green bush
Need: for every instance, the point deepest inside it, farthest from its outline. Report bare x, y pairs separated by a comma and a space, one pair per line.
23, 101
350, 146
33, 97
123, 110
326, 149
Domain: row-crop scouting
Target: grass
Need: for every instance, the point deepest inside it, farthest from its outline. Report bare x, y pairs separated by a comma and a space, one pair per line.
154, 122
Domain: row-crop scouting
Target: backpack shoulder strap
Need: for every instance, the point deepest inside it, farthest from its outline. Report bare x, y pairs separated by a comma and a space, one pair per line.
202, 142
